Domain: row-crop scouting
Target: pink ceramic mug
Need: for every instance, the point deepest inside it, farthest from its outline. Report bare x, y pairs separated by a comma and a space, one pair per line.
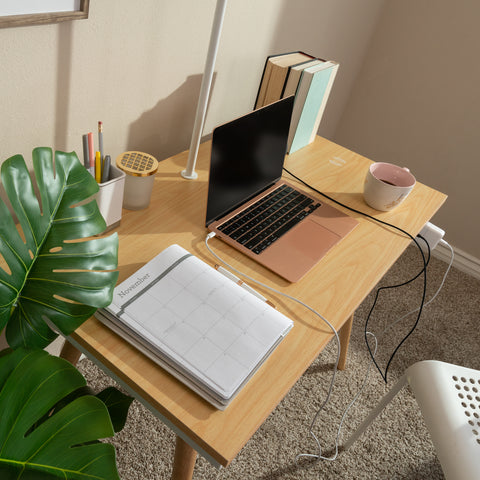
387, 185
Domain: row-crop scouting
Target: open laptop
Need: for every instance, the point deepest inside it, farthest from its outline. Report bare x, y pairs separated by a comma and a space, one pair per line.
245, 192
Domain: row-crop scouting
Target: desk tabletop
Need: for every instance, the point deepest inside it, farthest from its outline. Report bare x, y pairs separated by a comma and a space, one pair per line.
335, 287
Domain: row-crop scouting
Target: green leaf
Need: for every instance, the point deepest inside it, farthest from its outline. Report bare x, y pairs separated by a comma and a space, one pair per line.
117, 404
65, 444
54, 273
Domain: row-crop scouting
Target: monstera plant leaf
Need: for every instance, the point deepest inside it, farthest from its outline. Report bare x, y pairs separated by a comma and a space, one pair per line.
52, 274
38, 444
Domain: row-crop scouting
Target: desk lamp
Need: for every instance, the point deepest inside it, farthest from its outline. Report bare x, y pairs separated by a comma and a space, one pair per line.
189, 172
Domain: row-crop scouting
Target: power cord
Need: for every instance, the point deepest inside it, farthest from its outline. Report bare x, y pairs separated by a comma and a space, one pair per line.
337, 339
449, 266
420, 309
423, 272
424, 304
376, 339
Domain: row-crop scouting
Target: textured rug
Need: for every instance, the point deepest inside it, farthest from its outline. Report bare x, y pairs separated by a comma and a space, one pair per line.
397, 444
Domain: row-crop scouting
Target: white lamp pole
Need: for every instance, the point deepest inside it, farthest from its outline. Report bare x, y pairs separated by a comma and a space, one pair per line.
189, 172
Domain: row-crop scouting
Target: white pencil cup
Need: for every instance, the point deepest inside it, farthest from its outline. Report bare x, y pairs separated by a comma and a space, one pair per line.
110, 197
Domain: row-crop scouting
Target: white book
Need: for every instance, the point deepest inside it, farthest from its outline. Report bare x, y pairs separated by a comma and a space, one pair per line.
205, 329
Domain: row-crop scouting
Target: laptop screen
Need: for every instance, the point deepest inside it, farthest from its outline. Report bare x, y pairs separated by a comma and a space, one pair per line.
247, 157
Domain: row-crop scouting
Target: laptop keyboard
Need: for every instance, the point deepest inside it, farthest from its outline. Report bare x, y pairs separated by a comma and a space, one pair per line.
266, 220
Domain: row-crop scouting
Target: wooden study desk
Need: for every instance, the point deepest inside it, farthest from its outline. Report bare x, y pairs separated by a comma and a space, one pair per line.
335, 288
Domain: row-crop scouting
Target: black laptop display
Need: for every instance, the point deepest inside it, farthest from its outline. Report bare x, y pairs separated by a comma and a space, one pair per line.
250, 207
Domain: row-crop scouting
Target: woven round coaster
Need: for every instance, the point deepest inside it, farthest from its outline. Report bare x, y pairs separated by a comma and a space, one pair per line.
137, 164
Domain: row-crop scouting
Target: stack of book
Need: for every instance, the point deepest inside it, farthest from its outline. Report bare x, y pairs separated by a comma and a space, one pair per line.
310, 79
207, 330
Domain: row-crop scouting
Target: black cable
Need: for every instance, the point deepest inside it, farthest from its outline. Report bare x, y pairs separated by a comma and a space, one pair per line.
384, 376
422, 271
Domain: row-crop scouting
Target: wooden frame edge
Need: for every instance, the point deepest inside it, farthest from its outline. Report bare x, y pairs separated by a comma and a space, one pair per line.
45, 18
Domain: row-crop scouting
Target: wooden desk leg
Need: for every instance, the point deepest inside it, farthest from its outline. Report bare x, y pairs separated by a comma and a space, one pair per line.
184, 461
344, 334
70, 353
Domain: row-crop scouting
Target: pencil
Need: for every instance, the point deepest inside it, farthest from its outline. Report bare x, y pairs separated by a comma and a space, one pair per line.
98, 167
100, 139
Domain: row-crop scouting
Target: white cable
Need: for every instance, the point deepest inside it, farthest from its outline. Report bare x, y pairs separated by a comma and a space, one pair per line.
319, 456
443, 242
394, 323
371, 363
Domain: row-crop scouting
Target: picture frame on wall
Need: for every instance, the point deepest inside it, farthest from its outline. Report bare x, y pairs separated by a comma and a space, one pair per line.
30, 12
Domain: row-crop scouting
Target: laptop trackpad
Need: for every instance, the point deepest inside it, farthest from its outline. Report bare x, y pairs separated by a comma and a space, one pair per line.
311, 239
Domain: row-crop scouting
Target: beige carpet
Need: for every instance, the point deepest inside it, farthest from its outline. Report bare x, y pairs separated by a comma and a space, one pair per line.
396, 446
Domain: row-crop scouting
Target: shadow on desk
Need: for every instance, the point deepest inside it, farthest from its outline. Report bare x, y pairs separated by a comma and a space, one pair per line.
164, 214
356, 201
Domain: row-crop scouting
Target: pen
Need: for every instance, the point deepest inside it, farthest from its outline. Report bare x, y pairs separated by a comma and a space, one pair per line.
100, 139
98, 167
228, 274
91, 154
242, 284
106, 169
86, 156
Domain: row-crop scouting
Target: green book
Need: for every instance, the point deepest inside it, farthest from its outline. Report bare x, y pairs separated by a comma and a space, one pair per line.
310, 100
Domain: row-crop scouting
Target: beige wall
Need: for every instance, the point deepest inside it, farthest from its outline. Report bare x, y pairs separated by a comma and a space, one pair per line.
416, 102
137, 66
411, 100
406, 91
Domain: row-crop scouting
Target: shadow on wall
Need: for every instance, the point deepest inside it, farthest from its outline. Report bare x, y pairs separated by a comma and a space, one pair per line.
64, 54
166, 129
64, 75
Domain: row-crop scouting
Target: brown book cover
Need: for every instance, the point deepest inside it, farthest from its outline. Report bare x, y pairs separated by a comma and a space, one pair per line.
274, 75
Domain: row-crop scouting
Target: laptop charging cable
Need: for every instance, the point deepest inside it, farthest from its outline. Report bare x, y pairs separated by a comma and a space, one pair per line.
332, 328
376, 339
433, 238
422, 272
434, 296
